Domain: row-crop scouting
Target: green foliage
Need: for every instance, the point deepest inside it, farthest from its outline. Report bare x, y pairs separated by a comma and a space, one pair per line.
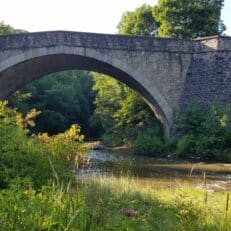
66, 146
46, 209
107, 101
51, 122
63, 98
122, 112
100, 205
206, 134
138, 22
185, 145
148, 143
192, 120
37, 158
109, 95
189, 19
7, 29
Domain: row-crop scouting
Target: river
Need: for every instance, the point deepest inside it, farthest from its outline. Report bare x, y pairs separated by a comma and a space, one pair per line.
157, 173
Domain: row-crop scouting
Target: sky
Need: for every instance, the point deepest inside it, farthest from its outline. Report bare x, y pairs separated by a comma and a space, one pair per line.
100, 16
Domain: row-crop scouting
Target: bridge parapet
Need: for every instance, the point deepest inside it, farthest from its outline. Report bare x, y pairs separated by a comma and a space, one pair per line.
216, 43
106, 41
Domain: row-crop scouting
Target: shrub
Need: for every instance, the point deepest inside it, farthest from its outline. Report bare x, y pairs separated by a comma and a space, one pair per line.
185, 145
65, 146
192, 121
148, 143
38, 158
206, 134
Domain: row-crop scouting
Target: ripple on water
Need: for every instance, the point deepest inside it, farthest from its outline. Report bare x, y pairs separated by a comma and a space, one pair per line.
155, 172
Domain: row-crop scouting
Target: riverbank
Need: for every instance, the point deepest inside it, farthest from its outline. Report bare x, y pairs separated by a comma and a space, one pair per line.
156, 172
97, 145
172, 161
112, 204
190, 162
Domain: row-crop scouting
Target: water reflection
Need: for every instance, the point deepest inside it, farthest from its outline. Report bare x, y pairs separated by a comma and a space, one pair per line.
155, 172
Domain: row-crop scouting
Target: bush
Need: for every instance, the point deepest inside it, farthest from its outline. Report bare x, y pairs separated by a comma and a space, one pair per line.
112, 139
40, 158
206, 134
185, 145
192, 121
148, 143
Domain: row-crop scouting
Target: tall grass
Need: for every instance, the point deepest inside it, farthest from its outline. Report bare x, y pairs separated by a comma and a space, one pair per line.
29, 200
99, 204
22, 155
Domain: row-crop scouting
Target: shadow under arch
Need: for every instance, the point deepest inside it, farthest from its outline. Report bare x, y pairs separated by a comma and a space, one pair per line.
16, 76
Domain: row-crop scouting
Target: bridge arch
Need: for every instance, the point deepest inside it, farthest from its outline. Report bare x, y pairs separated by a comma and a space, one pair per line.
29, 65
167, 73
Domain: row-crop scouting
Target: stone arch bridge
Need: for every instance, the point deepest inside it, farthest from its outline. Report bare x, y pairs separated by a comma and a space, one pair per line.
168, 73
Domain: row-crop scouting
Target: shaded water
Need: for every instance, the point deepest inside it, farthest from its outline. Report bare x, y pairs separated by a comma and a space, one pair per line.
154, 172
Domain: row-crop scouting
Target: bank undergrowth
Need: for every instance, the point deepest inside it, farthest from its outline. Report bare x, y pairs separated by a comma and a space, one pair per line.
38, 190
35, 157
104, 204
202, 134
205, 133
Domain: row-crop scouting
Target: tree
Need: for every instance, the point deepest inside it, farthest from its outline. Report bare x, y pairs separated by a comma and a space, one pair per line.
189, 19
63, 98
134, 117
109, 94
138, 22
7, 29
121, 111
206, 133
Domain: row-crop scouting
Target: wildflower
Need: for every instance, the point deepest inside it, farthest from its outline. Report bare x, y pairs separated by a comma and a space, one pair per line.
129, 213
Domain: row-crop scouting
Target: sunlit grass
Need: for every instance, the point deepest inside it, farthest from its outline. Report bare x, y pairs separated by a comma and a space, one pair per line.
98, 204
215, 167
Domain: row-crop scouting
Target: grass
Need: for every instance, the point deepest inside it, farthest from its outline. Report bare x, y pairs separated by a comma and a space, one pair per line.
99, 204
109, 203
215, 167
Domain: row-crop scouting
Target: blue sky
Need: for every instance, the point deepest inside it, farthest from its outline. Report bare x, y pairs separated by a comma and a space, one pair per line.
226, 16
101, 16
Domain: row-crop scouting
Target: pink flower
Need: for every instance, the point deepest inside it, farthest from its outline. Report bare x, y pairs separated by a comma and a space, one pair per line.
129, 213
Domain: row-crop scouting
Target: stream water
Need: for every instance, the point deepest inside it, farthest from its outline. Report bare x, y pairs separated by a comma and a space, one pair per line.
154, 172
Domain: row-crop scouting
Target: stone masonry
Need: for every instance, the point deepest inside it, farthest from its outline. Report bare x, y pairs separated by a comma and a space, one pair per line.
168, 73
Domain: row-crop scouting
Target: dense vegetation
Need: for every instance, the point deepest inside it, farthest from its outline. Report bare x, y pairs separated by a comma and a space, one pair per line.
35, 193
175, 18
122, 112
35, 157
37, 187
111, 204
63, 98
37, 190
7, 29
189, 19
139, 22
105, 108
206, 133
